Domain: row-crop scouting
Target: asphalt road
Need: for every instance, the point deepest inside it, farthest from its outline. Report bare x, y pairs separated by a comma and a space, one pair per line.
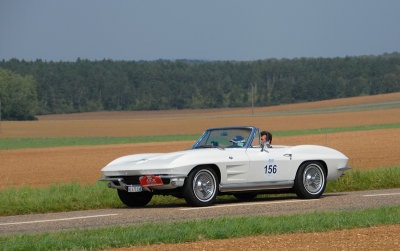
179, 212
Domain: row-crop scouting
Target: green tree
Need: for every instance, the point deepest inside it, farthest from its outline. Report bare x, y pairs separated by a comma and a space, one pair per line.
18, 96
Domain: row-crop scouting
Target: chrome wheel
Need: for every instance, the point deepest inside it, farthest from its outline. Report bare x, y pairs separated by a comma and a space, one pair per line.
313, 179
310, 180
204, 185
201, 187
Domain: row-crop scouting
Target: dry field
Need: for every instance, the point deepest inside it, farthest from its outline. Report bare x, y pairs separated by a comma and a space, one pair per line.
196, 121
219, 112
90, 128
43, 166
373, 238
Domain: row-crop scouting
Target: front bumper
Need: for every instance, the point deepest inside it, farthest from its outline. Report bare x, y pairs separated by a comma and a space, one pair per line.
123, 182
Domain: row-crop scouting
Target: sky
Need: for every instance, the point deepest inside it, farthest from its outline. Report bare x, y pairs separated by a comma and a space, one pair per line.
55, 30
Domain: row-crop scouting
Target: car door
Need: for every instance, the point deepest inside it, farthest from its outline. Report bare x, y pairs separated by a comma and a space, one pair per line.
236, 163
272, 164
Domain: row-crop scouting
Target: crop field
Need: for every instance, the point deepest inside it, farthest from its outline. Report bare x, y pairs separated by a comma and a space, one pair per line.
47, 165
355, 103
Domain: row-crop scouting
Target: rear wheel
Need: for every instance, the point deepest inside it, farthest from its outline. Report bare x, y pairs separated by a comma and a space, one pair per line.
134, 199
310, 180
200, 188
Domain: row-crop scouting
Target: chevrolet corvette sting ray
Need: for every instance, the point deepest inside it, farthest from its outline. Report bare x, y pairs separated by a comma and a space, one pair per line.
227, 160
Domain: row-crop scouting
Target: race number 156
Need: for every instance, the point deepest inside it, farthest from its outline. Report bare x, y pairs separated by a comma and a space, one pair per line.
270, 169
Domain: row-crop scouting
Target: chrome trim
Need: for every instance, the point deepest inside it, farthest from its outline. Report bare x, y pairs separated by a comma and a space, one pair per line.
121, 186
161, 176
345, 168
110, 179
289, 155
249, 140
256, 186
170, 176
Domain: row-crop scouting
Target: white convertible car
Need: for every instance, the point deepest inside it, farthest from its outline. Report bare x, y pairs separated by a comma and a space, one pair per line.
226, 160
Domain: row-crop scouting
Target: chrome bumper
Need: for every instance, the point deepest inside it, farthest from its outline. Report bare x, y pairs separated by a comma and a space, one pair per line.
342, 169
175, 181
345, 168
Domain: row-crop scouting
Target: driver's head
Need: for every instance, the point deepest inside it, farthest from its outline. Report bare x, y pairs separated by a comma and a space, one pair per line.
266, 137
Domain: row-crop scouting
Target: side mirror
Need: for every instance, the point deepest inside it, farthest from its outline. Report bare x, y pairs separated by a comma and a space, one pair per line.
265, 146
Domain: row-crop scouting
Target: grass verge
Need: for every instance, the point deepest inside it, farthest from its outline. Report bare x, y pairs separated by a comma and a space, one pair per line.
371, 179
73, 196
20, 143
198, 230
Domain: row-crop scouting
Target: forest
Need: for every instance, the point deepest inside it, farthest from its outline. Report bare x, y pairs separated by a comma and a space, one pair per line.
40, 87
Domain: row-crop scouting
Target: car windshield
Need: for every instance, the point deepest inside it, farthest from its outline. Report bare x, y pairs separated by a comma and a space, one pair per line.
224, 138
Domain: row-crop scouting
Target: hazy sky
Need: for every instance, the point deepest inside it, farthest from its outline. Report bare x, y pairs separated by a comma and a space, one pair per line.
202, 29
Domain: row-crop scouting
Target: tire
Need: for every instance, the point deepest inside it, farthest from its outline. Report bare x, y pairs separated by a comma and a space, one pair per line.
134, 199
245, 196
310, 180
201, 187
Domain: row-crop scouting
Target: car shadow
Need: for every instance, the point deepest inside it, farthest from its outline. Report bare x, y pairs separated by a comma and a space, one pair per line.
229, 200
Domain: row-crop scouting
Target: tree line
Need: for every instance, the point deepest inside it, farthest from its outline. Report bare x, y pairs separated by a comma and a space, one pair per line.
83, 85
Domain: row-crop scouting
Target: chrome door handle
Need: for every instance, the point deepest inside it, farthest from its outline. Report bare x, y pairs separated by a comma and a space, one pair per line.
288, 155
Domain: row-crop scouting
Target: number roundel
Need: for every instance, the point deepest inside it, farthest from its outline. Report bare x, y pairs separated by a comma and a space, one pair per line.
271, 168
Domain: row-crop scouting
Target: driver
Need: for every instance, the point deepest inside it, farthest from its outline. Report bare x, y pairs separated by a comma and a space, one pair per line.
266, 137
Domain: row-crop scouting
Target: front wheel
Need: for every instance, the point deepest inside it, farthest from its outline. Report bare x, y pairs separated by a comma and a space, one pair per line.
200, 188
310, 180
134, 199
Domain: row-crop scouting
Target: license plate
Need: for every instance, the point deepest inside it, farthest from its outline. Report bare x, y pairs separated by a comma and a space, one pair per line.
151, 181
134, 189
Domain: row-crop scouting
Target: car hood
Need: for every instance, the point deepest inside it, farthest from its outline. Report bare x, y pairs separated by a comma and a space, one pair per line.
177, 163
142, 161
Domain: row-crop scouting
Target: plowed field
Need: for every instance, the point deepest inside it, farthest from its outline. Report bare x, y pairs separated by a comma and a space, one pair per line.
221, 112
196, 121
40, 167
43, 166
32, 129
373, 238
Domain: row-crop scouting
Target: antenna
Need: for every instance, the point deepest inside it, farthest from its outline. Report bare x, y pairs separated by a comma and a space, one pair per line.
252, 99
0, 115
326, 136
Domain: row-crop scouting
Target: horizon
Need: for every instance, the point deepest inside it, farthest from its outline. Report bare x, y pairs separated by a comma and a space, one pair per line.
201, 60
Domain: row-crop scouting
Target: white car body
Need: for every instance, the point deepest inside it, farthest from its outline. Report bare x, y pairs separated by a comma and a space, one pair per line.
244, 168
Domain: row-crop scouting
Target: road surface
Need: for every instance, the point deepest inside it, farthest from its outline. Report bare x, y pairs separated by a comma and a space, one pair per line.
179, 212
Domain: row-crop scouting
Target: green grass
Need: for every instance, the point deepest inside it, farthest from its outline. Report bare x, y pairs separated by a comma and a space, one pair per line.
19, 143
73, 196
198, 230
335, 130
391, 104
65, 197
356, 180
56, 198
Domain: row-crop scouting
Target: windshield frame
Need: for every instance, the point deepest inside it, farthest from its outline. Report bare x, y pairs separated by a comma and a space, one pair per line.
252, 129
